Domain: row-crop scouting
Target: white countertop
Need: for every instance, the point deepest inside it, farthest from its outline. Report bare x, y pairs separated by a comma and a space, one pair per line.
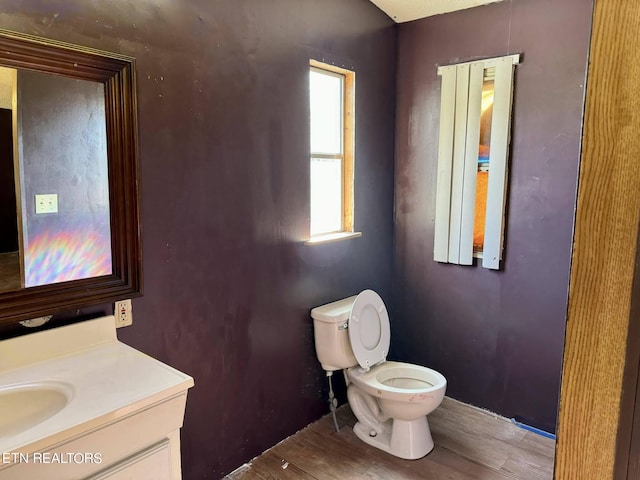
108, 379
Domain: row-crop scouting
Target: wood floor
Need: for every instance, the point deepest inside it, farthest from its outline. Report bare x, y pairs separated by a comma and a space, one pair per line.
9, 271
471, 444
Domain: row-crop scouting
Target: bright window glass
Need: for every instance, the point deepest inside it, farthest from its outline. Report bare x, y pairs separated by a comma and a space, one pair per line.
327, 152
326, 111
326, 195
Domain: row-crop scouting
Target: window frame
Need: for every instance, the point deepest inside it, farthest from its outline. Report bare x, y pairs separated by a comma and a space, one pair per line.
347, 155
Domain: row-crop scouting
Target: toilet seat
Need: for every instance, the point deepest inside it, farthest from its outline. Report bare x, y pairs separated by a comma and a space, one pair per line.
399, 381
369, 329
395, 379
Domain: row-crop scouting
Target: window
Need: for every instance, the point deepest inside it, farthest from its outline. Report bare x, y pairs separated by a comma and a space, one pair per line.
332, 151
475, 118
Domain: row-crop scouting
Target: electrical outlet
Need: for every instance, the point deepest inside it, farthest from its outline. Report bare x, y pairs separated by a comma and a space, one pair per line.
122, 312
46, 203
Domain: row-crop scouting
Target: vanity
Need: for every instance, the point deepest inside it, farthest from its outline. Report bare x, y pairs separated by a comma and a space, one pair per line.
76, 403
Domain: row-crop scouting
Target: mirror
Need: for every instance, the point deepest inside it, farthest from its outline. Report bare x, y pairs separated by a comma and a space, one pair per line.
69, 234
55, 224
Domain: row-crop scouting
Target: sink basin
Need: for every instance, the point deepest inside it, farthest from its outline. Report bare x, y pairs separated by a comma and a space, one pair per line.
26, 405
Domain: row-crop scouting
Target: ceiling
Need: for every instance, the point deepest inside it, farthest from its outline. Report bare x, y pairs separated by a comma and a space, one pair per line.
407, 10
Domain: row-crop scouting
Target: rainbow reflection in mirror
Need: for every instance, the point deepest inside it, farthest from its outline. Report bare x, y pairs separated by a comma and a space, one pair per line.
63, 256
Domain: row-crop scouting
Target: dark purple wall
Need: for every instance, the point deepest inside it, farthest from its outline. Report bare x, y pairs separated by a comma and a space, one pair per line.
8, 215
224, 144
496, 335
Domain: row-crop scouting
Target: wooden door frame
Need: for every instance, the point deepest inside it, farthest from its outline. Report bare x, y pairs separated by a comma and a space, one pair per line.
602, 348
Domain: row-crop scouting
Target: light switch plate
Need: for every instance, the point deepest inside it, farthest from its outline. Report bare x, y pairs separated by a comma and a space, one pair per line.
47, 203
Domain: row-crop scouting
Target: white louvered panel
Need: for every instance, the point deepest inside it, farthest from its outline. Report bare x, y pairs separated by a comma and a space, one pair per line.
496, 194
457, 172
445, 159
471, 163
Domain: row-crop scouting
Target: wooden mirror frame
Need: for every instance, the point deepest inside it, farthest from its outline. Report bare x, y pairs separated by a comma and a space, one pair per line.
117, 74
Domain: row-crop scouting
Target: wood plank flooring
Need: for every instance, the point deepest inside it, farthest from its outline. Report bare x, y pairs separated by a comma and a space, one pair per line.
9, 271
471, 444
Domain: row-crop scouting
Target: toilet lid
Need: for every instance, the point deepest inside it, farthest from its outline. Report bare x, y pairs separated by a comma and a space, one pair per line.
369, 330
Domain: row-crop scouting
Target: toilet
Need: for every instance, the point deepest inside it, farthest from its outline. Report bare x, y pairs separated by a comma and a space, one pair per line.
391, 400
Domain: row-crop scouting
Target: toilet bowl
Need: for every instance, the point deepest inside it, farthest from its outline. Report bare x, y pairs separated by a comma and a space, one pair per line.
390, 399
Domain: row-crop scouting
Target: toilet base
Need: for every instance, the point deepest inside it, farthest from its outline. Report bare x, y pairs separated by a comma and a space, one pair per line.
405, 439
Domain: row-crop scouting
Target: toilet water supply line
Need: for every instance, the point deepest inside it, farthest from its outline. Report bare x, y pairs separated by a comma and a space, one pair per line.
333, 402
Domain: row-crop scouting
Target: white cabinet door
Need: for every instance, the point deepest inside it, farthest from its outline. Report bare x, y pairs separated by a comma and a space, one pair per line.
154, 463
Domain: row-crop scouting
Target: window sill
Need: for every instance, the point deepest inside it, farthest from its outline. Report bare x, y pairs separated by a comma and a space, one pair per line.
332, 237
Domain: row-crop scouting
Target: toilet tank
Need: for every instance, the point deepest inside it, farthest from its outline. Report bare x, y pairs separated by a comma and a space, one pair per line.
331, 335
